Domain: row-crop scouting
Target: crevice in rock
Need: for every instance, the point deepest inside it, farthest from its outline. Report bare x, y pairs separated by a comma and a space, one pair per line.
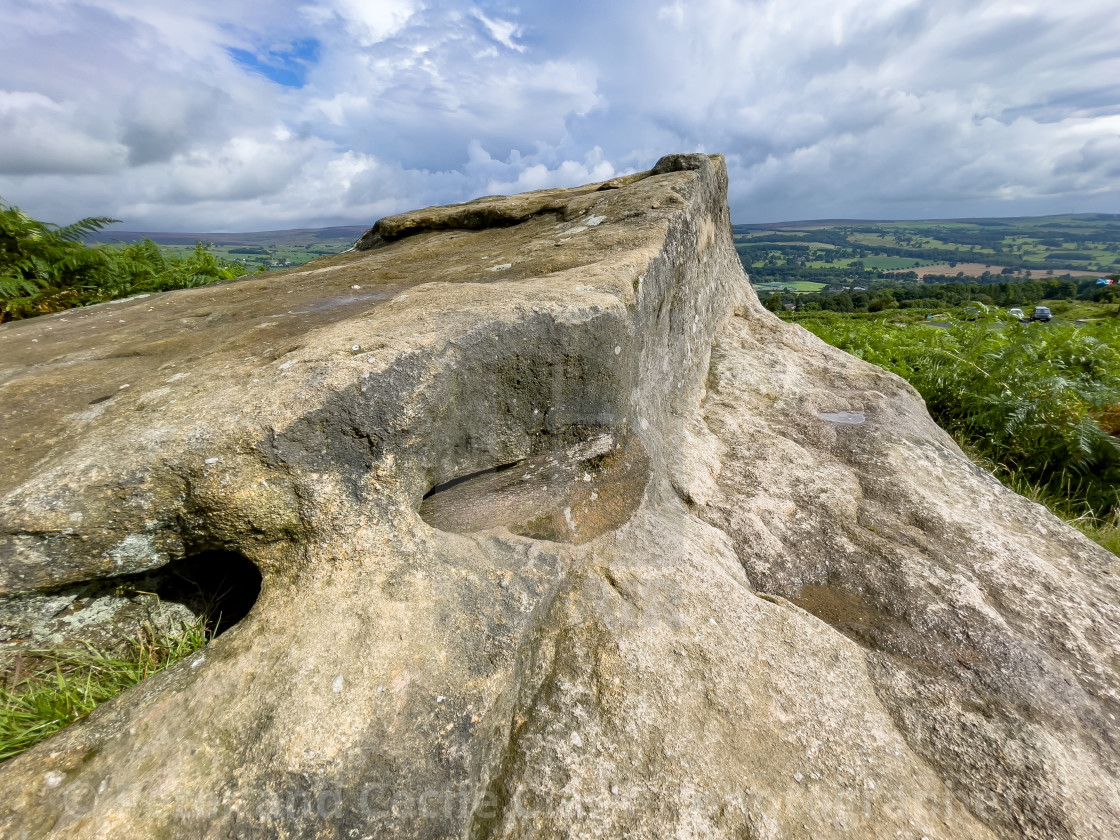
455, 482
482, 214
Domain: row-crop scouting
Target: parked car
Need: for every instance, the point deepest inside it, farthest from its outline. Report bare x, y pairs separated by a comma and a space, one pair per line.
1016, 313
1041, 313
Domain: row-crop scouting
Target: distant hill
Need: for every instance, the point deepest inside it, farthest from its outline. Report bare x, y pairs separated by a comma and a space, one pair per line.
1064, 220
264, 238
267, 249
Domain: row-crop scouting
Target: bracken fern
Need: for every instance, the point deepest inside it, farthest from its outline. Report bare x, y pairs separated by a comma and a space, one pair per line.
46, 268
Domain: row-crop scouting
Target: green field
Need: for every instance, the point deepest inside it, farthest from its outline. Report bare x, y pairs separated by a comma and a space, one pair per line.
793, 286
839, 252
892, 263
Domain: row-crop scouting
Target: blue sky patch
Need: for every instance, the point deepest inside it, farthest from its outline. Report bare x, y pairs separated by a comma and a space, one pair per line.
286, 66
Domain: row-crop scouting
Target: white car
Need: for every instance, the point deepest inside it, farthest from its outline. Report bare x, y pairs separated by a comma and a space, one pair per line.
1018, 313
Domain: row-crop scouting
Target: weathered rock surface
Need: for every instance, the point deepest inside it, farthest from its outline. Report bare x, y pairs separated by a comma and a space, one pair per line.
561, 535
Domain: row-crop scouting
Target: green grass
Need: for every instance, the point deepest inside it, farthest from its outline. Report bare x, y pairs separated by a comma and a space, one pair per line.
62, 686
892, 263
1063, 503
795, 285
274, 258
1105, 532
45, 268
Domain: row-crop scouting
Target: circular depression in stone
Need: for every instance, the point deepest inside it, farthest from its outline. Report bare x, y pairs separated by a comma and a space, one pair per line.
574, 489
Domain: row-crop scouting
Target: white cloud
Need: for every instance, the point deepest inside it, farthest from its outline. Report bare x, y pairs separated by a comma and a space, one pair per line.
521, 174
502, 31
369, 22
847, 108
673, 13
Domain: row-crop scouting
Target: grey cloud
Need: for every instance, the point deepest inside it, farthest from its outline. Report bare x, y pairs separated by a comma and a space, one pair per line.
1100, 158
36, 136
160, 121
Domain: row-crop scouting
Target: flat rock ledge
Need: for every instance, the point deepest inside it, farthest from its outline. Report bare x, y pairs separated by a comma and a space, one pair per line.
560, 534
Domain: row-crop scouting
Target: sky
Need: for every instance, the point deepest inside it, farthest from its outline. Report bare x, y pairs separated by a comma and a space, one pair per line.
237, 115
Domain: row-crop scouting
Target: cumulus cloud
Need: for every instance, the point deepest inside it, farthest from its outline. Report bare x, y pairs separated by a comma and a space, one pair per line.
233, 115
39, 135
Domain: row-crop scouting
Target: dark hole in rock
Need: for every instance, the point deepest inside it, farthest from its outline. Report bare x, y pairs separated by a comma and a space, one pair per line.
569, 492
219, 586
222, 585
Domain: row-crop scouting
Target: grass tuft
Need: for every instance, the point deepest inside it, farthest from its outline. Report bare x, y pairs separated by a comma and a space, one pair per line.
50, 689
1104, 532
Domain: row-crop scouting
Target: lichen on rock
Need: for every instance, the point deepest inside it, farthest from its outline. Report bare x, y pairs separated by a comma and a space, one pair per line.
560, 534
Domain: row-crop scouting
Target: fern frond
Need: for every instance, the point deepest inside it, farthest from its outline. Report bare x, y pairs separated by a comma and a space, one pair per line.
82, 228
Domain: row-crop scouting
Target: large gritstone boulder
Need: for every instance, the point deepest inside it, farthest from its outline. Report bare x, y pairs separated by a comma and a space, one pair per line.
559, 534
